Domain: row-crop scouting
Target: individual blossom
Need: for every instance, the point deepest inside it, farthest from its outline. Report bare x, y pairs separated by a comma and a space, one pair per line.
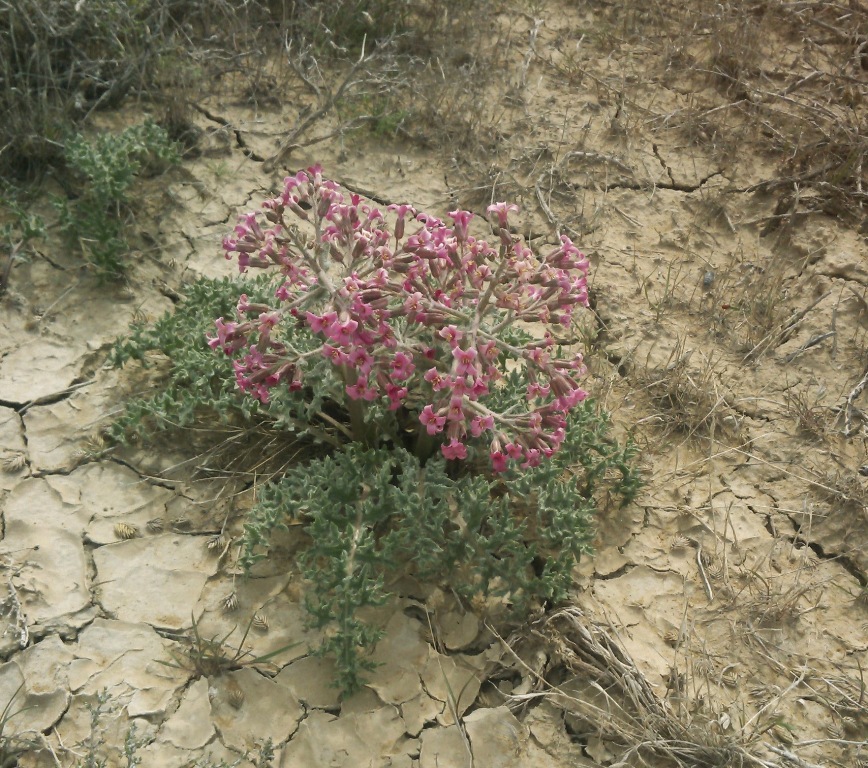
461, 219
499, 462
396, 396
361, 390
431, 421
481, 424
437, 380
465, 359
402, 366
502, 211
454, 449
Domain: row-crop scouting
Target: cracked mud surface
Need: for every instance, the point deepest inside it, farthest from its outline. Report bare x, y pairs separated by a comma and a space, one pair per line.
736, 582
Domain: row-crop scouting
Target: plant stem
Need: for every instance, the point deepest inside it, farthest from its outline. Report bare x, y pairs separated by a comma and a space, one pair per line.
362, 432
425, 445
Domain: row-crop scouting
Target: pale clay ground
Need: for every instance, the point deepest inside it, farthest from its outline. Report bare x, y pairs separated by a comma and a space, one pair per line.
772, 640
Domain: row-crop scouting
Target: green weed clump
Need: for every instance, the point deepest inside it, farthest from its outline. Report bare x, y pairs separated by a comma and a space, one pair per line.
106, 167
505, 543
502, 541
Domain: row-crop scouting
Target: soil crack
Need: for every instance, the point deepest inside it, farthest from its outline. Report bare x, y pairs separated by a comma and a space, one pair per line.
663, 163
239, 137
51, 399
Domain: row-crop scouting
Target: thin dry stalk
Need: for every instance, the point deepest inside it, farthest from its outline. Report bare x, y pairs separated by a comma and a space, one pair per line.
327, 98
688, 400
634, 723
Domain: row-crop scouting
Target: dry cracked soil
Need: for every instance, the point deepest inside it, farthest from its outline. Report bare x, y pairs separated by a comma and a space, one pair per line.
723, 616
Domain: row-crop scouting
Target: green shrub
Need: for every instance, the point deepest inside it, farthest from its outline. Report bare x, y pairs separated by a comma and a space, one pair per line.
377, 513
106, 166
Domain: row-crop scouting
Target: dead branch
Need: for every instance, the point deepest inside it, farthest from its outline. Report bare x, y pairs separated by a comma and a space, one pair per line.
327, 97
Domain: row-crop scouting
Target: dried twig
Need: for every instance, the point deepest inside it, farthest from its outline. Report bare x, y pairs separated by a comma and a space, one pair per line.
849, 429
785, 329
327, 103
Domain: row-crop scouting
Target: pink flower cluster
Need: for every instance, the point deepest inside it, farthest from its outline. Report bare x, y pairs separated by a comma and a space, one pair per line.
414, 320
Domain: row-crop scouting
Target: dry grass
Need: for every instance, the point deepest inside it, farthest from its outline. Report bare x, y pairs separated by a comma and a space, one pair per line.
687, 395
795, 70
61, 63
813, 420
621, 708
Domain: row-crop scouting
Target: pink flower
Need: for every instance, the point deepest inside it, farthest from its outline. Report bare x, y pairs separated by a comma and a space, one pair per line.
229, 336
413, 305
402, 211
337, 356
488, 350
570, 400
502, 210
537, 390
538, 356
396, 396
454, 450
318, 323
451, 334
465, 359
436, 379
514, 450
479, 388
267, 321
432, 422
361, 360
343, 333
402, 366
361, 391
534, 457
480, 424
456, 409
283, 292
461, 219
498, 461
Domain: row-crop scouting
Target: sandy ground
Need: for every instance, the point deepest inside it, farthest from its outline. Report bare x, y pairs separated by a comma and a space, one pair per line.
732, 595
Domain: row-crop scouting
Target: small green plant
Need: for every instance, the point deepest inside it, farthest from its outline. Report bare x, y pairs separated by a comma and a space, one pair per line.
18, 226
98, 753
212, 656
106, 168
99, 708
261, 757
17, 222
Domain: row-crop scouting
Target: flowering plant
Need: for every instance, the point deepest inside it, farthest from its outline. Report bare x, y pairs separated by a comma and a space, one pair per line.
421, 322
407, 344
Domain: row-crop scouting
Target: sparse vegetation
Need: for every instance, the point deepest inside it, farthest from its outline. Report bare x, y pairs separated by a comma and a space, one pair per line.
106, 166
214, 656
